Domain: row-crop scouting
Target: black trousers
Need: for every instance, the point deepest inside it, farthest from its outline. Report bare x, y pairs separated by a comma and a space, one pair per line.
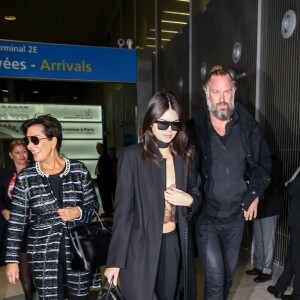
295, 249
218, 248
167, 279
105, 195
287, 274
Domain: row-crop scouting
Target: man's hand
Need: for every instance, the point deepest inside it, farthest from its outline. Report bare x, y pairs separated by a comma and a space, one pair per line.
251, 213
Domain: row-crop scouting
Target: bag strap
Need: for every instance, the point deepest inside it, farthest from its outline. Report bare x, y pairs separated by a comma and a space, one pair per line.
98, 217
110, 287
76, 243
77, 246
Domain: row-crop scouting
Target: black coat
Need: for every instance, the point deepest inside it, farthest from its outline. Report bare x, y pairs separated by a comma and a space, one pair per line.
5, 203
272, 202
105, 170
5, 177
256, 152
138, 222
293, 191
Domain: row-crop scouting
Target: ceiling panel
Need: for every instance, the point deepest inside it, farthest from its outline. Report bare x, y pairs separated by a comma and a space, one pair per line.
75, 22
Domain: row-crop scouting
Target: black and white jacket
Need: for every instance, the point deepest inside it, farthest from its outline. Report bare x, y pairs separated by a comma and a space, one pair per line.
33, 194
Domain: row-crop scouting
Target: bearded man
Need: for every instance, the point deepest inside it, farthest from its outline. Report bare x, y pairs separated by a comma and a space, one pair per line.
235, 164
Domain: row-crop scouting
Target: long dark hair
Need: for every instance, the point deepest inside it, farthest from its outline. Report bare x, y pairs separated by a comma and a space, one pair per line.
157, 106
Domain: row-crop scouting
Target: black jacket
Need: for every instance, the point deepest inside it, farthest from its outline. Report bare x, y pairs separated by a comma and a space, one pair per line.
272, 202
5, 177
256, 151
138, 222
5, 203
105, 169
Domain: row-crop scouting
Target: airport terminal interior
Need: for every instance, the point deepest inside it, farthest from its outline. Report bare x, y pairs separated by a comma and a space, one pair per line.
173, 44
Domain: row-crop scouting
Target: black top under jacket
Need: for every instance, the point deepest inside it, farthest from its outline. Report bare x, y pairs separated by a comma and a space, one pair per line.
256, 151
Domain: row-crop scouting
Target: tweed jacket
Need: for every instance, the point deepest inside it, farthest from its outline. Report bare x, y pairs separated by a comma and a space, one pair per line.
32, 193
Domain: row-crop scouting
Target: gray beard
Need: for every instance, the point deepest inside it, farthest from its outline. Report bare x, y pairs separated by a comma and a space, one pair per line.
221, 115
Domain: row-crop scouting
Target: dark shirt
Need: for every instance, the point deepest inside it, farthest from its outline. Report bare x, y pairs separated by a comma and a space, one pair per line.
56, 187
257, 154
228, 164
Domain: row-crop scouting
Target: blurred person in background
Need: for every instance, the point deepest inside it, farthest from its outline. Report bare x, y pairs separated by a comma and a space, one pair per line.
293, 192
104, 180
284, 280
265, 224
114, 163
19, 157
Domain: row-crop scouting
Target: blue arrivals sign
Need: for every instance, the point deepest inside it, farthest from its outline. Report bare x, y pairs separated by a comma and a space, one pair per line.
67, 62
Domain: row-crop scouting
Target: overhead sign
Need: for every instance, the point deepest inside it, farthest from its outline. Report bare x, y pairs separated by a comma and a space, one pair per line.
82, 127
79, 122
73, 113
67, 62
74, 131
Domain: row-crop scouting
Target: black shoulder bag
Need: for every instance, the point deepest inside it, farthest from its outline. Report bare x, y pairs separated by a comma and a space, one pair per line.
89, 245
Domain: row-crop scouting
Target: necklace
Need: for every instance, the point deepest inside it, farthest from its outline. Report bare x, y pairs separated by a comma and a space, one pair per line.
67, 168
161, 144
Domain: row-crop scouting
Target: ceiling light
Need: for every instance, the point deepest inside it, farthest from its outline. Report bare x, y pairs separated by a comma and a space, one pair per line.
176, 13
5, 91
166, 31
169, 31
183, 0
173, 22
10, 18
151, 38
35, 92
153, 46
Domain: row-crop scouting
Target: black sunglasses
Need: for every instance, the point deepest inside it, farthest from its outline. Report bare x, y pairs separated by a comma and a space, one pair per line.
163, 125
33, 139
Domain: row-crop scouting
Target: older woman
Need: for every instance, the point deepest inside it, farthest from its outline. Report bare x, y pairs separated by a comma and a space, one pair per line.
157, 193
59, 193
19, 157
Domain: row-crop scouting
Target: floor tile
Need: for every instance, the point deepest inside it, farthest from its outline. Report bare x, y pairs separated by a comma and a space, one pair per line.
243, 288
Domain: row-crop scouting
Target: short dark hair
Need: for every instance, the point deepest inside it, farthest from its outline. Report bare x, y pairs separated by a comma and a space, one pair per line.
157, 106
52, 127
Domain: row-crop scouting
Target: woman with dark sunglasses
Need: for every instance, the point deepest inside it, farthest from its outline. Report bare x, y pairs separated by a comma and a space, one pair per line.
60, 194
157, 193
19, 158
